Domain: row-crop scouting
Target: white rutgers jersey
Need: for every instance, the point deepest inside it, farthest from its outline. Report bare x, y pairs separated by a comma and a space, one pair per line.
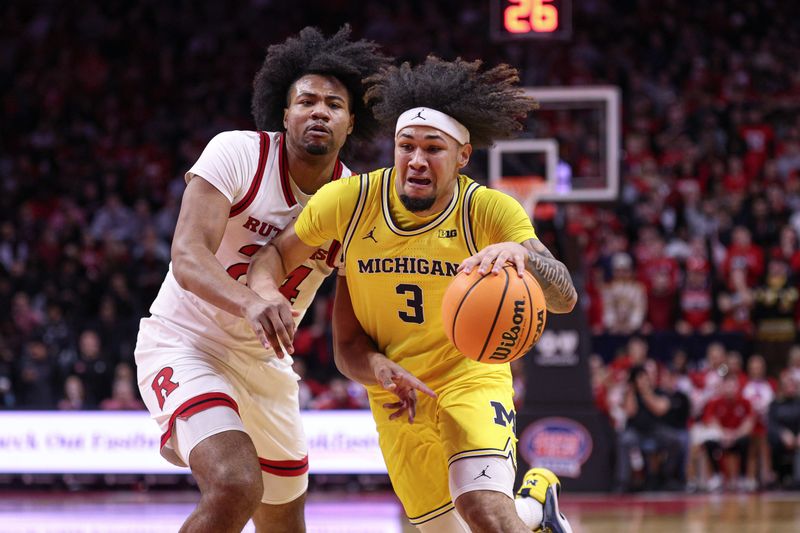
250, 169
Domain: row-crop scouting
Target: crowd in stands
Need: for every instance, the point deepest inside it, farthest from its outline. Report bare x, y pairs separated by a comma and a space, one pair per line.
715, 424
106, 104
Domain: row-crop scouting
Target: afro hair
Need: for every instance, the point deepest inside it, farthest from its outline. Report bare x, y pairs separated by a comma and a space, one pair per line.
488, 103
310, 52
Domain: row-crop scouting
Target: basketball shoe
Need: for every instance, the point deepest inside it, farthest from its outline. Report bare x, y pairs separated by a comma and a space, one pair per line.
543, 485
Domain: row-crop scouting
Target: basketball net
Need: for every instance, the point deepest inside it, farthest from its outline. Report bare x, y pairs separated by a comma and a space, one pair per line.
526, 190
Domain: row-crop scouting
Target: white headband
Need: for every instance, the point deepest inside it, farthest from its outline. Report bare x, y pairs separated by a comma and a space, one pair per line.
425, 116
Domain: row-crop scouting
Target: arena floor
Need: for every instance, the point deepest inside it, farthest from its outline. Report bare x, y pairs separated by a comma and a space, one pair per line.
116, 512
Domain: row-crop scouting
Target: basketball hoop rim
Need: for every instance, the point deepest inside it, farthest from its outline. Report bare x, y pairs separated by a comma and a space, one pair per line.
526, 190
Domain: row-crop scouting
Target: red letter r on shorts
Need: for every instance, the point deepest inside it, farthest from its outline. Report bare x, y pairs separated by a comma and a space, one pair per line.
163, 385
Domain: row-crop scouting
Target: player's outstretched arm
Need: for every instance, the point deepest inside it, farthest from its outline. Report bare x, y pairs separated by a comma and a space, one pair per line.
358, 358
268, 268
533, 256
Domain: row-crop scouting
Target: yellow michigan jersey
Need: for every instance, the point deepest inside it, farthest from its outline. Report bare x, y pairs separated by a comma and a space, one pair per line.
398, 266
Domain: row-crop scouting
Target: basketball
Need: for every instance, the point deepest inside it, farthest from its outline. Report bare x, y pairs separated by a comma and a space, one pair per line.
494, 318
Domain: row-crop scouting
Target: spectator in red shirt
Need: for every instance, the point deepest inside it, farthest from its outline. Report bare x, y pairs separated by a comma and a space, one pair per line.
742, 253
696, 300
758, 135
733, 419
735, 180
661, 299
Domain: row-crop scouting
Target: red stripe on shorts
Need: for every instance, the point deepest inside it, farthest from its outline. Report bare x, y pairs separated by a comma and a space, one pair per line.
195, 405
290, 468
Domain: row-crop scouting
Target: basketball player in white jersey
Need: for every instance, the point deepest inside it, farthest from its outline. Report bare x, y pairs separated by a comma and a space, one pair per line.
227, 406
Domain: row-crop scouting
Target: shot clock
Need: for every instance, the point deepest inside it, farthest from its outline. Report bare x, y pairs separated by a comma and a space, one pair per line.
531, 19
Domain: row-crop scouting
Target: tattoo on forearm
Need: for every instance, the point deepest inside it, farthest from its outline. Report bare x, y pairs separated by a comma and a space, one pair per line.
554, 279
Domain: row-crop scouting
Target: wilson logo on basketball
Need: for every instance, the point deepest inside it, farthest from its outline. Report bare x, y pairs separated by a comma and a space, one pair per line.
511, 335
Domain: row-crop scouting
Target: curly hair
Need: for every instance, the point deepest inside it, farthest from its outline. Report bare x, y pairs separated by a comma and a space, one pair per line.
311, 53
488, 103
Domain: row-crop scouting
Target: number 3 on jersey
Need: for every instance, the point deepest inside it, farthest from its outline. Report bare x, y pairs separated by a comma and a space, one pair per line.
414, 302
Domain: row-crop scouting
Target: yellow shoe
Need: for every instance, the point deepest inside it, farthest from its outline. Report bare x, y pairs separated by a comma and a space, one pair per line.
543, 485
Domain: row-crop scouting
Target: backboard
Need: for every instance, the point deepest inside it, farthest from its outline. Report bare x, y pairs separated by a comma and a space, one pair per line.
571, 147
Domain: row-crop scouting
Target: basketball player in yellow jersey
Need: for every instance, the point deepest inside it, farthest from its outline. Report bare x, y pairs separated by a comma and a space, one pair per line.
405, 231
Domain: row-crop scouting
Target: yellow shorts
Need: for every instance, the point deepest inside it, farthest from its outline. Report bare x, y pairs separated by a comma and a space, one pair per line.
473, 416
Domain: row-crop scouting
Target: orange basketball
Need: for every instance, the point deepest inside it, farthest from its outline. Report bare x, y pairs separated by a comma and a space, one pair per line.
494, 318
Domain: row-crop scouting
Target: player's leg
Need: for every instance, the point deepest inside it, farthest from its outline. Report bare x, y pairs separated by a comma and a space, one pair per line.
276, 428
482, 489
487, 511
190, 395
483, 499
417, 465
477, 429
230, 483
449, 522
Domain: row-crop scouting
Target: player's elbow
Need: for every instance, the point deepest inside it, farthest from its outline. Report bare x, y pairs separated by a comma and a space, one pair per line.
571, 301
564, 303
181, 266
341, 360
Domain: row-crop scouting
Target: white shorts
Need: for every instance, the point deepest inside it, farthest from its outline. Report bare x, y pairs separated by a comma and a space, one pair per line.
178, 379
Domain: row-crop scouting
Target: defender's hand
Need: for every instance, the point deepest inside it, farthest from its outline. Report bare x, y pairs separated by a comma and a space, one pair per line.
494, 256
400, 382
272, 318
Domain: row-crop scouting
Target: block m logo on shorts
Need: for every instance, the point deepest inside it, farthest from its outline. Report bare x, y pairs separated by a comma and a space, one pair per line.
503, 417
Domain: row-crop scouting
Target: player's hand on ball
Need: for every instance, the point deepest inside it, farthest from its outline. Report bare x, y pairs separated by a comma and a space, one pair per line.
400, 382
272, 318
493, 257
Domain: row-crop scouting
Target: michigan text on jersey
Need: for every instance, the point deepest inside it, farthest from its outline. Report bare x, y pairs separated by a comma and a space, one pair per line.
407, 265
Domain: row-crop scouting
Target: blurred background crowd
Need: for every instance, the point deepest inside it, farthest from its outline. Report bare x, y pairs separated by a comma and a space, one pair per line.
689, 281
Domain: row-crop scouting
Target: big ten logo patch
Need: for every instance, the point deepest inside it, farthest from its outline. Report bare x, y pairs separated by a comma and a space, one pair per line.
560, 444
163, 385
502, 417
557, 348
448, 233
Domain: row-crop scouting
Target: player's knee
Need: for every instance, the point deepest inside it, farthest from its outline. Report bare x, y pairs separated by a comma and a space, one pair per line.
234, 486
480, 516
